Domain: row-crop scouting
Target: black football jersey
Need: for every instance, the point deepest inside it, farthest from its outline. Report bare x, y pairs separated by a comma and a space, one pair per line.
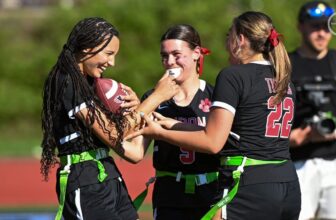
168, 192
167, 157
260, 130
69, 140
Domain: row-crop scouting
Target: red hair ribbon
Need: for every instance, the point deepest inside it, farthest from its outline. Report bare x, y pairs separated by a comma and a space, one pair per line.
204, 51
274, 37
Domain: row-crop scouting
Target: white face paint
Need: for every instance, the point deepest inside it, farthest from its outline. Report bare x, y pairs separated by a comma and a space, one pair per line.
174, 72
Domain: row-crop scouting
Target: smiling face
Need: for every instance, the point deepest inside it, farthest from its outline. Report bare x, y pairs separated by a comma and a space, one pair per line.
177, 54
95, 65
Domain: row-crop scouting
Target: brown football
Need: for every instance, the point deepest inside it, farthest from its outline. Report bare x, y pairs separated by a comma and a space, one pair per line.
110, 91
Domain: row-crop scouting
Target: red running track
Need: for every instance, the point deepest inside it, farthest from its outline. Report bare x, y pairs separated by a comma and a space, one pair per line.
21, 183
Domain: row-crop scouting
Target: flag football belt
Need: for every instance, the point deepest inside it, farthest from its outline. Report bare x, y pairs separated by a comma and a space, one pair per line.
239, 161
190, 181
66, 161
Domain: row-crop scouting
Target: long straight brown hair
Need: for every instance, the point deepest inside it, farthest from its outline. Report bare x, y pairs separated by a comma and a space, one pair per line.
256, 27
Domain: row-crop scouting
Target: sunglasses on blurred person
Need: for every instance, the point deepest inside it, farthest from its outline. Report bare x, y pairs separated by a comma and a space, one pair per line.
320, 11
316, 12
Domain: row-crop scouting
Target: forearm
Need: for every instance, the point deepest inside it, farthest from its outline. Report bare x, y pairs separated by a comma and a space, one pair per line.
209, 139
150, 104
146, 107
135, 149
193, 139
107, 132
302, 136
299, 136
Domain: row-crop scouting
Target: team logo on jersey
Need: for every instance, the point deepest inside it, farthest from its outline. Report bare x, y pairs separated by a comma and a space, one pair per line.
162, 107
205, 105
332, 24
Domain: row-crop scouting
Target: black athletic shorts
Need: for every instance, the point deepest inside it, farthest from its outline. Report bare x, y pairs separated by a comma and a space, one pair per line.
173, 213
276, 201
106, 200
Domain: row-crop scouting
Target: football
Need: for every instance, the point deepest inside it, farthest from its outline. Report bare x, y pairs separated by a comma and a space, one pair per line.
109, 92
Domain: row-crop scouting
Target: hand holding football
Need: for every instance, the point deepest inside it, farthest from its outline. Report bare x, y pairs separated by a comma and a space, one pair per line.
110, 91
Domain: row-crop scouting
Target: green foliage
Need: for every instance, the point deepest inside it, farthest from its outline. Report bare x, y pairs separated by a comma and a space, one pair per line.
31, 40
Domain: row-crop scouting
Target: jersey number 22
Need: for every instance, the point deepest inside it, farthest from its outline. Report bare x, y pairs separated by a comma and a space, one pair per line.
279, 120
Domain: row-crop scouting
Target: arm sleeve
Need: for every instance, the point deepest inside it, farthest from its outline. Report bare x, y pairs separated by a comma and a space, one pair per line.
226, 92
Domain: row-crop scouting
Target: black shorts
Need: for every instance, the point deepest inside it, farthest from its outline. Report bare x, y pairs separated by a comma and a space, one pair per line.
276, 201
173, 213
106, 200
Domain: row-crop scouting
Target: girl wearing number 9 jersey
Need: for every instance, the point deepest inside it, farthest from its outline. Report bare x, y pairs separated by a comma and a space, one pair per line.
186, 181
249, 124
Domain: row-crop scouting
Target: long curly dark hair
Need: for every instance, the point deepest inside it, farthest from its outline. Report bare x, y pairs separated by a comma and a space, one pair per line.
88, 33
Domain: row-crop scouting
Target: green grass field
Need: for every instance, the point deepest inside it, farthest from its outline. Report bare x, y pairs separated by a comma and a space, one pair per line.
20, 138
27, 147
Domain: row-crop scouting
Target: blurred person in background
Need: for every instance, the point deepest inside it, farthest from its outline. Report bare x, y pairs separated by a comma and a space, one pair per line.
248, 126
82, 130
186, 181
313, 139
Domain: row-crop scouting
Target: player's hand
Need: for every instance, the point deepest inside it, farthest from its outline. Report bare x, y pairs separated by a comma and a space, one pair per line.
152, 129
166, 88
300, 136
131, 100
165, 122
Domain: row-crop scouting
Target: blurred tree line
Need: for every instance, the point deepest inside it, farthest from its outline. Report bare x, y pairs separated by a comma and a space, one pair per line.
31, 40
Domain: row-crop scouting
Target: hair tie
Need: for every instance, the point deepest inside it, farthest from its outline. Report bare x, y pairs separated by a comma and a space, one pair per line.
274, 37
204, 51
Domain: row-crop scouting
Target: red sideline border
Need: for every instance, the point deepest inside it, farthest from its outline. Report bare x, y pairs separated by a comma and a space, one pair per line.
21, 184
